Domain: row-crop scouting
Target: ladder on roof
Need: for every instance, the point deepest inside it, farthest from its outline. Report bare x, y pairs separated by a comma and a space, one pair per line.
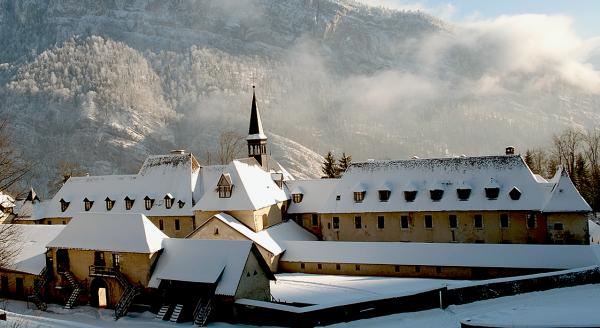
38, 283
202, 312
76, 289
176, 312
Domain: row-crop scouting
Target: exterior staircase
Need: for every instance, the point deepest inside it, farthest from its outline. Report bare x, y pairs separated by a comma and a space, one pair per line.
176, 313
76, 289
129, 293
39, 283
202, 312
163, 313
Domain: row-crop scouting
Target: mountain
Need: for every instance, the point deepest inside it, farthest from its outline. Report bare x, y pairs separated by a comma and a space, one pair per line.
105, 83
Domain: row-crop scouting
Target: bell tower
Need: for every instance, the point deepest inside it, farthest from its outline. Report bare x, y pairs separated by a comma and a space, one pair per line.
257, 140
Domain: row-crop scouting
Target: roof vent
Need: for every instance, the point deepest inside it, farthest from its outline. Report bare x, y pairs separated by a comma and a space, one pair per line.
510, 150
178, 151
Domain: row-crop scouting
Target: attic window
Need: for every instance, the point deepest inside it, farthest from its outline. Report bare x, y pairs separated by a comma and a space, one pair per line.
384, 195
109, 204
225, 186
87, 204
492, 193
297, 198
180, 203
463, 193
148, 202
410, 195
359, 196
168, 201
436, 194
64, 205
515, 193
225, 191
129, 203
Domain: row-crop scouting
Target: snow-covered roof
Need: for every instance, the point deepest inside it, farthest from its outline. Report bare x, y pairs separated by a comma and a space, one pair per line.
271, 238
442, 254
204, 261
31, 246
447, 174
314, 194
6, 201
254, 188
132, 233
564, 196
160, 175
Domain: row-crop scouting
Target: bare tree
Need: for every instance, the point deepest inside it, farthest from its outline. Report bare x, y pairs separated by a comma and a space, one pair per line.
565, 148
231, 146
65, 170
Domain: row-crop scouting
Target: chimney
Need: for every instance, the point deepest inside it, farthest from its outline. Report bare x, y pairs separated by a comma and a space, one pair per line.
178, 151
510, 150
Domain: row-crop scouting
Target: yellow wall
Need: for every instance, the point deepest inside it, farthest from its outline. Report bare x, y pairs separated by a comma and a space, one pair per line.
187, 224
251, 219
54, 221
575, 228
217, 229
28, 280
466, 232
254, 283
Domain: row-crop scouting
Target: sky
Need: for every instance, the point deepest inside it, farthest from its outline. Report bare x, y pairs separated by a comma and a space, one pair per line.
585, 14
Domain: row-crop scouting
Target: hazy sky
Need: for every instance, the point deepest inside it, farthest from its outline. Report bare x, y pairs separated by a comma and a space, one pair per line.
584, 13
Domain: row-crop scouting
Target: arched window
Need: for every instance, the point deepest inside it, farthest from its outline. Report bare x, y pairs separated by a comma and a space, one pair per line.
129, 203
168, 201
297, 198
87, 204
148, 202
109, 204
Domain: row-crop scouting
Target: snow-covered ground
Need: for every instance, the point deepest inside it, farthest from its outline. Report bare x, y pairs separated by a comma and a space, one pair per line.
565, 306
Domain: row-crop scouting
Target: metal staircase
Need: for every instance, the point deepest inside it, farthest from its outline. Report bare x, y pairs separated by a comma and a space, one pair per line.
39, 283
176, 313
163, 312
76, 289
202, 312
129, 291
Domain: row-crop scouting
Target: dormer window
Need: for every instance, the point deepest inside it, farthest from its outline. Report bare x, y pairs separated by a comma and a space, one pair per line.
109, 204
169, 201
515, 193
410, 195
148, 202
297, 198
384, 195
64, 205
359, 196
463, 193
225, 186
87, 204
129, 203
492, 193
436, 194
180, 203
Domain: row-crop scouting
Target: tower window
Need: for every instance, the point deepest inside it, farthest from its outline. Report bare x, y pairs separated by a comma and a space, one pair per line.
109, 204
64, 205
297, 198
410, 195
148, 202
129, 203
87, 204
168, 201
359, 196
384, 195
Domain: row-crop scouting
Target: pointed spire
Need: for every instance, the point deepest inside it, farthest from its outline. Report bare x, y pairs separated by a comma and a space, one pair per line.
256, 128
32, 196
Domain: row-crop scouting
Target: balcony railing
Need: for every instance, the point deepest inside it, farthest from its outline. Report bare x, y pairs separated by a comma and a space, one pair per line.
96, 270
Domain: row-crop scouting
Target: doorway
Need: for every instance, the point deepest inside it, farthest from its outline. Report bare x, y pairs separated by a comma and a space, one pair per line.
62, 260
99, 293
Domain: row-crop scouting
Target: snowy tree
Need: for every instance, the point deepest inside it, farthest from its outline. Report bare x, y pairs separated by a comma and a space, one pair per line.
343, 163
329, 167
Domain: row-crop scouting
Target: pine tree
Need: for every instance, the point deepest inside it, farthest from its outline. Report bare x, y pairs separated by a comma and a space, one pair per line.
344, 163
329, 167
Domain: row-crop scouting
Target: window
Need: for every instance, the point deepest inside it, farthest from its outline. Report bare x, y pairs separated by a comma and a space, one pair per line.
558, 226
531, 221
128, 203
87, 204
193, 223
49, 222
338, 197
436, 194
357, 267
503, 220
338, 267
396, 268
180, 203
225, 186
384, 195
116, 258
302, 265
265, 220
357, 222
453, 221
109, 204
492, 193
297, 198
463, 194
319, 266
64, 222
428, 222
168, 201
515, 193
410, 196
315, 220
336, 223
4, 284
478, 221
148, 202
225, 191
438, 269
216, 232
177, 224
380, 222
359, 196
479, 241
404, 222
161, 224
63, 205
417, 268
